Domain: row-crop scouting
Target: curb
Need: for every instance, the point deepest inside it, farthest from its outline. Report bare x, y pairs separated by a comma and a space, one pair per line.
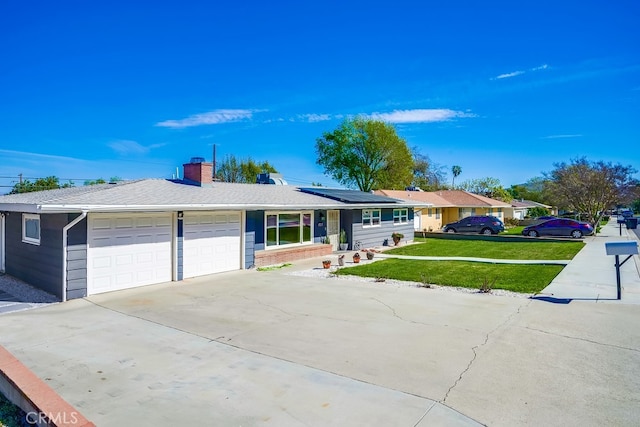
44, 407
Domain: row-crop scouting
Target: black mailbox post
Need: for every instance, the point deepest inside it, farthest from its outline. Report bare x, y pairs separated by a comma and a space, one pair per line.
617, 249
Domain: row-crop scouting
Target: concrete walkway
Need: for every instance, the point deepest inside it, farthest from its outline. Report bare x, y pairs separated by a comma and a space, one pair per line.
476, 259
591, 275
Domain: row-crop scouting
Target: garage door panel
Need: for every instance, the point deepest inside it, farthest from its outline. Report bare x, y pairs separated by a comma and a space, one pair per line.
211, 243
128, 250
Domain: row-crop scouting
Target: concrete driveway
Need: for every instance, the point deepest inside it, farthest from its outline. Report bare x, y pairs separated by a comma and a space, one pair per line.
265, 348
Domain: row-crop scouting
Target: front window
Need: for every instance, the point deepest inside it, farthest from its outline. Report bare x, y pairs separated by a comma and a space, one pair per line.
430, 212
371, 217
401, 216
288, 228
437, 213
31, 229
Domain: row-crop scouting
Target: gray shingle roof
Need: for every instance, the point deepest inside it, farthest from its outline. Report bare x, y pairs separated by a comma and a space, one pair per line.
160, 194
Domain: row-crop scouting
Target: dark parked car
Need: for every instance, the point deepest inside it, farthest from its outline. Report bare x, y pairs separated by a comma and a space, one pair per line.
476, 224
559, 227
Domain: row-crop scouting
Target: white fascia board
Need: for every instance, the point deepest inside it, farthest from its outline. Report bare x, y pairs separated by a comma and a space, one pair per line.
204, 207
20, 207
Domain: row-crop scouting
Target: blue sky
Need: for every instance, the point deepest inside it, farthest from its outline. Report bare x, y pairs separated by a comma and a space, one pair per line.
134, 89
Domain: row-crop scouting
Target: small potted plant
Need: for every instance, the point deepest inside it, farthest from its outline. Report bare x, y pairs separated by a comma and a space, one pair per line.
343, 240
356, 257
341, 260
397, 237
369, 255
326, 263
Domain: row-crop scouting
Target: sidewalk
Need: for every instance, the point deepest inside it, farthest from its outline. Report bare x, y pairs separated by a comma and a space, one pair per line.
591, 275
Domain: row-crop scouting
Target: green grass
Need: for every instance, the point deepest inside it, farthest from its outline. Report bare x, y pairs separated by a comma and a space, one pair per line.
511, 277
274, 267
511, 231
491, 249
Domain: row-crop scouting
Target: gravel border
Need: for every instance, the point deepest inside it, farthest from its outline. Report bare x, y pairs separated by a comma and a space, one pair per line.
329, 274
24, 292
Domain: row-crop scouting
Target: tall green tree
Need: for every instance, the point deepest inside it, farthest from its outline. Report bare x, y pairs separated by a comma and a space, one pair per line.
427, 175
40, 184
590, 188
533, 189
233, 169
455, 171
365, 154
488, 187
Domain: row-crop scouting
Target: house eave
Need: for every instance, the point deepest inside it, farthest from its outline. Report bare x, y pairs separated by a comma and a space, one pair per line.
200, 207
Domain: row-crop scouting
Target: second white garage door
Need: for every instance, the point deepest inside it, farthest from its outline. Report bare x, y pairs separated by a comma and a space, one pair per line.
211, 243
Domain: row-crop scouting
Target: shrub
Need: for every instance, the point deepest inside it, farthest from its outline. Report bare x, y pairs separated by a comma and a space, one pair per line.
513, 222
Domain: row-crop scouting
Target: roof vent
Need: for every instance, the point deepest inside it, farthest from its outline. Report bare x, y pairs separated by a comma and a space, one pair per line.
270, 178
195, 160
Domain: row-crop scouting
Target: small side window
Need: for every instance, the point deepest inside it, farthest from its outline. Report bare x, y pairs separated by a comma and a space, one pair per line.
31, 229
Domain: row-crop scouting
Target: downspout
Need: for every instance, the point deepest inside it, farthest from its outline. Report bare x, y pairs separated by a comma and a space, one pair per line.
65, 230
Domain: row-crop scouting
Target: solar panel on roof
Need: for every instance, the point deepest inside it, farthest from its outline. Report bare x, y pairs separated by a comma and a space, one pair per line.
348, 196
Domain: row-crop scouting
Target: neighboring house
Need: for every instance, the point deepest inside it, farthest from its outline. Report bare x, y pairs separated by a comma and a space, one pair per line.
520, 208
80, 241
447, 206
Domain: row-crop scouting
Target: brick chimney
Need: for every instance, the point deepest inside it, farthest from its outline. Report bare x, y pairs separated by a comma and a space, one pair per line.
197, 170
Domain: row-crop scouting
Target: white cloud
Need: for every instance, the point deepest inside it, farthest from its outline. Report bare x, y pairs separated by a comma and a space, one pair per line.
210, 118
508, 75
520, 72
312, 118
420, 115
542, 67
28, 156
126, 147
562, 136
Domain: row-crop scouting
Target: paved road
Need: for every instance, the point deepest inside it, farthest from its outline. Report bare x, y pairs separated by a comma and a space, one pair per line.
255, 348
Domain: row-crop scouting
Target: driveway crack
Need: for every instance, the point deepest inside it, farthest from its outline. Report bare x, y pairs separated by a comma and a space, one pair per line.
619, 347
397, 316
476, 347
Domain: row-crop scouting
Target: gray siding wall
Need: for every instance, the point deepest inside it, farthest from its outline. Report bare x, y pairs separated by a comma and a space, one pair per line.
255, 224
38, 265
346, 224
378, 236
249, 249
77, 259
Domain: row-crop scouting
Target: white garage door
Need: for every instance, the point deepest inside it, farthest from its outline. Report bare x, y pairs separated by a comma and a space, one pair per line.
211, 243
128, 250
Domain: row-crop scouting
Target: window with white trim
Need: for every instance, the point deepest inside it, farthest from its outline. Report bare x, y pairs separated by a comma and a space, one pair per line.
400, 216
371, 217
429, 212
288, 228
31, 229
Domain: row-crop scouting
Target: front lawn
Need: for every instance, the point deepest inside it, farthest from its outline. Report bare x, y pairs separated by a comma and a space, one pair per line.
512, 277
513, 231
491, 249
